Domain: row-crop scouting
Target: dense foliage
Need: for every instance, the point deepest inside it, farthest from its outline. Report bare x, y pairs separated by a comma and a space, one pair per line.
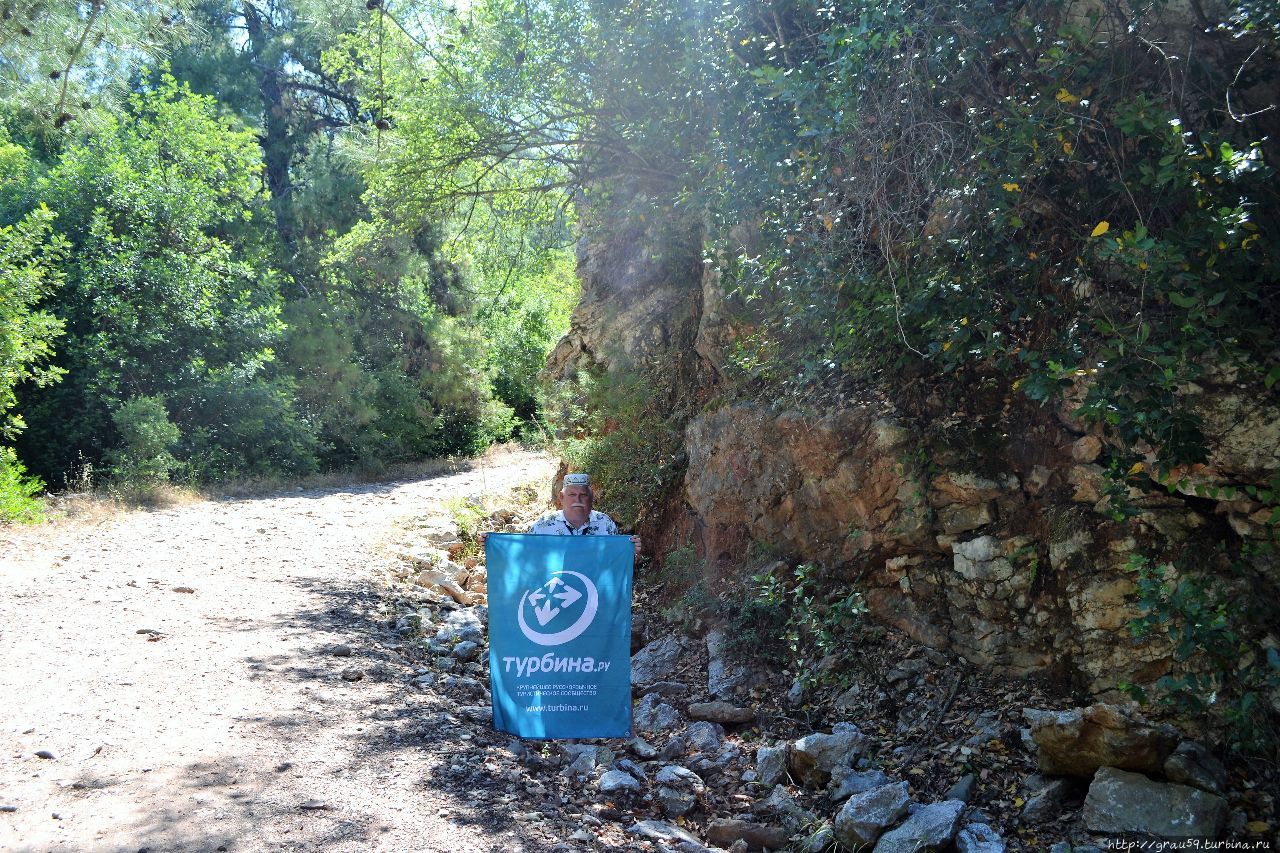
333, 232
205, 269
975, 209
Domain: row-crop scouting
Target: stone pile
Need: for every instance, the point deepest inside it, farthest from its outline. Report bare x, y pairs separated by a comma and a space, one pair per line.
1143, 778
712, 766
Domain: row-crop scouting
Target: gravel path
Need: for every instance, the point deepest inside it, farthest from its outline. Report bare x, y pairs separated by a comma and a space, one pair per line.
176, 671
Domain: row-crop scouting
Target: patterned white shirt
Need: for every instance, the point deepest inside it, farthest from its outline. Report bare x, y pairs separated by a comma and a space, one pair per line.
554, 524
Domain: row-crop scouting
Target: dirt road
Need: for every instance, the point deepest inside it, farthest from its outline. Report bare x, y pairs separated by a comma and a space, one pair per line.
177, 672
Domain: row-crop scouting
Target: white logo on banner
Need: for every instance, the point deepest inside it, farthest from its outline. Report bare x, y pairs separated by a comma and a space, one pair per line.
554, 597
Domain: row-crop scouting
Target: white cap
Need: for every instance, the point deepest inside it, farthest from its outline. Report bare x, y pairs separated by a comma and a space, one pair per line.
577, 480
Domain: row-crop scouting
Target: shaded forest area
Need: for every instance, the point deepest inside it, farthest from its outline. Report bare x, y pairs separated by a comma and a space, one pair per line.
207, 272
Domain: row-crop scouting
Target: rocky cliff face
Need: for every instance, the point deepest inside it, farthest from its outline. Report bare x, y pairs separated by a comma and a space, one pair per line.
997, 546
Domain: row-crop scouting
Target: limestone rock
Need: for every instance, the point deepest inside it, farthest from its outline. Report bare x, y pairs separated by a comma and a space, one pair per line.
656, 660
979, 838
704, 736
654, 715
930, 828
599, 754
614, 781
771, 763
1192, 764
866, 816
723, 676
678, 789
460, 626
435, 579
725, 832
642, 749
963, 789
813, 758
662, 831
1123, 802
1086, 449
780, 804
959, 518
845, 785
676, 802
720, 712
1044, 798
580, 766
1079, 741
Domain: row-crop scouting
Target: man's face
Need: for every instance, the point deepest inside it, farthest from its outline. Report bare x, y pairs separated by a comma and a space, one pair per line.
576, 503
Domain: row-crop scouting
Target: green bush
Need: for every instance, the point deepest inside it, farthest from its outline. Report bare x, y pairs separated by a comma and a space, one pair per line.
1224, 673
615, 427
242, 422
142, 457
18, 491
801, 613
163, 281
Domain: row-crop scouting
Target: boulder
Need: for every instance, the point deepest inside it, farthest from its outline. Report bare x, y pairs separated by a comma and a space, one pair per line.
930, 828
720, 712
979, 838
845, 785
866, 816
655, 661
771, 763
1123, 802
616, 781
704, 737
724, 832
654, 715
813, 758
1079, 741
1192, 764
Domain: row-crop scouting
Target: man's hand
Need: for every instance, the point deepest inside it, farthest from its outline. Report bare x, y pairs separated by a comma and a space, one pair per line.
635, 540
484, 534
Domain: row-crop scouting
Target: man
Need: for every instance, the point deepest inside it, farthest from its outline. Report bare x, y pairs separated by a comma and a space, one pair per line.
575, 516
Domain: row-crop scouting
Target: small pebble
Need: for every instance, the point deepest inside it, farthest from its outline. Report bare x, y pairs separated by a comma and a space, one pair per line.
44, 753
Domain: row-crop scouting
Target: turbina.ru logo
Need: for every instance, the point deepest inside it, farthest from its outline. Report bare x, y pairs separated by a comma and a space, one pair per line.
561, 609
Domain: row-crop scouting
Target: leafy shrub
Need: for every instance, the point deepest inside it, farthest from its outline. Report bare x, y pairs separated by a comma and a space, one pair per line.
161, 283
146, 435
241, 422
18, 491
1223, 674
803, 612
615, 428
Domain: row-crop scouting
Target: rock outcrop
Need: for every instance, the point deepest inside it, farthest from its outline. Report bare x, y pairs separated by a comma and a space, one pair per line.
981, 526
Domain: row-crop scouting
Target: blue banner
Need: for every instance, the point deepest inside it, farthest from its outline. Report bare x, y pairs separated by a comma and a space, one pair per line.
560, 634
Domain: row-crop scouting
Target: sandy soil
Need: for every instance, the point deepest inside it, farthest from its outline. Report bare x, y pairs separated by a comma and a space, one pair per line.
179, 668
